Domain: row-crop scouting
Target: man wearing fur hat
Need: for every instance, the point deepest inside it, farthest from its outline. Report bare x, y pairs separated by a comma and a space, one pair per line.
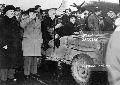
10, 44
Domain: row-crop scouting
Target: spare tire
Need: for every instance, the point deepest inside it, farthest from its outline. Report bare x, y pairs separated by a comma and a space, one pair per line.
81, 68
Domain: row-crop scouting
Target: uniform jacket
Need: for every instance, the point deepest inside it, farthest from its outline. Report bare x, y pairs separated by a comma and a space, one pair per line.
93, 22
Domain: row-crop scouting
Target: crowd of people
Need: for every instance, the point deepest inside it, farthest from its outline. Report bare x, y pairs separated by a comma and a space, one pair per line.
23, 34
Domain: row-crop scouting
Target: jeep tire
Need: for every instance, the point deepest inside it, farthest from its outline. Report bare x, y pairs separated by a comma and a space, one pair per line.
81, 68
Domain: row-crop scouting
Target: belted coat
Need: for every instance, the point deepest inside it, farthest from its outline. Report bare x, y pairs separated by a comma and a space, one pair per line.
32, 37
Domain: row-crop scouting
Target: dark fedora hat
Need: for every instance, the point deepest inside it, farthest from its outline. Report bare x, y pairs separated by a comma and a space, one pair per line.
17, 9
37, 6
31, 10
8, 7
24, 13
72, 16
96, 9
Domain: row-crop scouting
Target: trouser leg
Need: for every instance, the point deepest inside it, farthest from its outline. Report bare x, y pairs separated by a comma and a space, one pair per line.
3, 74
39, 61
57, 43
34, 65
11, 73
59, 69
27, 65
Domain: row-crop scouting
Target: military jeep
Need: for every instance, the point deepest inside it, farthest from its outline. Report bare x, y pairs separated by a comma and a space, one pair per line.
84, 52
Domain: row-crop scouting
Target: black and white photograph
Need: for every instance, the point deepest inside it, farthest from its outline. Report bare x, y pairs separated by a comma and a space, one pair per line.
59, 42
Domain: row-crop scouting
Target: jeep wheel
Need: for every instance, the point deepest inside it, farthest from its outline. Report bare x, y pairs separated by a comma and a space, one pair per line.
81, 68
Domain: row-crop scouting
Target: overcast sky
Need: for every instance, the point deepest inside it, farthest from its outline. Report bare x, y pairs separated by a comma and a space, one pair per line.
25, 4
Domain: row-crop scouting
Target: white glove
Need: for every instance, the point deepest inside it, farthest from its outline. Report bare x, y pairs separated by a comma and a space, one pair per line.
58, 25
56, 36
37, 59
5, 47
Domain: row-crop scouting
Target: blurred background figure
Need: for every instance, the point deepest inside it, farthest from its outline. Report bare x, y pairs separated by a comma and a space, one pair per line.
18, 13
109, 21
2, 6
44, 15
65, 17
81, 20
113, 56
93, 21
118, 15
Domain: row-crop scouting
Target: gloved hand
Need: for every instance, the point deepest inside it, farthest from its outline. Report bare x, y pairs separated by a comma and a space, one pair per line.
56, 36
5, 47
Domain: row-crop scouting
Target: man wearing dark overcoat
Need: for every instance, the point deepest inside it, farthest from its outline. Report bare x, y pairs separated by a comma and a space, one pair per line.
10, 44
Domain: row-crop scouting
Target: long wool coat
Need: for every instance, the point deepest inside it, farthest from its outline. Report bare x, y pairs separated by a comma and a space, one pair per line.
113, 57
11, 38
32, 37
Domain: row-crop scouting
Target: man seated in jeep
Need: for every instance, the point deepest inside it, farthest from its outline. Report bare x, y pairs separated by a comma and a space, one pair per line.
68, 29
